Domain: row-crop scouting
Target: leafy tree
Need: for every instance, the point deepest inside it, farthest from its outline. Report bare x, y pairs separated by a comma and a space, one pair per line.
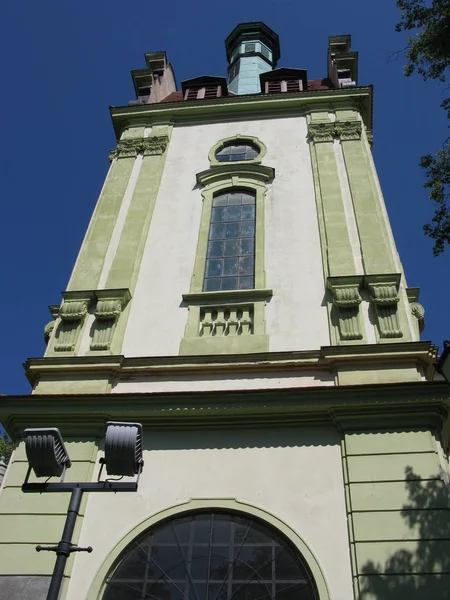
6, 447
428, 53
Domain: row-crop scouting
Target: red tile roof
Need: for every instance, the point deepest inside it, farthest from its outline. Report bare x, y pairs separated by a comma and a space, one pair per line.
313, 85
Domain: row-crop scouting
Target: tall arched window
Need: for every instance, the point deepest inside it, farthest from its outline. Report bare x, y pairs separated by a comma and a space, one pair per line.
211, 555
230, 257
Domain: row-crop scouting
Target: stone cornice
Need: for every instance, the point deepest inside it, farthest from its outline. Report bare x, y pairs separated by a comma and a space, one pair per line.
131, 147
402, 405
241, 106
218, 173
328, 358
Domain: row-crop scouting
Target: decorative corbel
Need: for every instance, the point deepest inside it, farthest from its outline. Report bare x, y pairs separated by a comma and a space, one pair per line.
49, 328
71, 314
418, 311
346, 299
384, 296
132, 147
110, 304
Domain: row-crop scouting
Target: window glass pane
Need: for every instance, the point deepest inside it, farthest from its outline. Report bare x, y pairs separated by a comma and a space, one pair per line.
215, 249
230, 266
233, 213
219, 214
248, 228
237, 151
230, 254
246, 246
254, 564
214, 267
217, 232
233, 230
229, 283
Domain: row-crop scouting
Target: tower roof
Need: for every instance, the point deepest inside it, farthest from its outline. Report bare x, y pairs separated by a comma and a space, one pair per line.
255, 30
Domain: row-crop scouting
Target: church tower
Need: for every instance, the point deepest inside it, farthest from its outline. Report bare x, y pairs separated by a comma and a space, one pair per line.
238, 292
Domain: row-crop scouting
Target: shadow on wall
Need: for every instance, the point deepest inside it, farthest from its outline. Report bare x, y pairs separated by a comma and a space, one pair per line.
425, 572
274, 437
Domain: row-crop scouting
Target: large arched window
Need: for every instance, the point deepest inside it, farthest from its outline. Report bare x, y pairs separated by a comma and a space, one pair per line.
230, 256
211, 555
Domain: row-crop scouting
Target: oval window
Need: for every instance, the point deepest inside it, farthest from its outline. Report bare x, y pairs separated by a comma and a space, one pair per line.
232, 151
211, 556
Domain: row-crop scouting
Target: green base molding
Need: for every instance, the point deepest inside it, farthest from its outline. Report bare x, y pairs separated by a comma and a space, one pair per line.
225, 345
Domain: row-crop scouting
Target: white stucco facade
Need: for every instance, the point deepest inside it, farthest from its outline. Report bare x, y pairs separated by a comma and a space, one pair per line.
293, 474
293, 261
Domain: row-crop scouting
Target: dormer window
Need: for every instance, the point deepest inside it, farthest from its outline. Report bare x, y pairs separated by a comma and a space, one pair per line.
204, 88
232, 151
283, 80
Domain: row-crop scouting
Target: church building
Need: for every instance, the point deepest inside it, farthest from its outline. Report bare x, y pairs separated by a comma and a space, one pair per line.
239, 294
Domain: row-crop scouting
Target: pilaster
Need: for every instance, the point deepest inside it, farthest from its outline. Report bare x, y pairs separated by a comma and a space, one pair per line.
334, 231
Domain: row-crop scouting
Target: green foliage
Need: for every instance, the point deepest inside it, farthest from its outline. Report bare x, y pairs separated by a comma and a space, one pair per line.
6, 447
428, 53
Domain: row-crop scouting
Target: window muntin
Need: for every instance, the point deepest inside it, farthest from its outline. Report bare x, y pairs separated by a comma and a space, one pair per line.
230, 257
233, 151
211, 556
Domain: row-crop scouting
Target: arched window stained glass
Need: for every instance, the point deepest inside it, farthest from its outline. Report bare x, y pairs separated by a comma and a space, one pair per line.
211, 556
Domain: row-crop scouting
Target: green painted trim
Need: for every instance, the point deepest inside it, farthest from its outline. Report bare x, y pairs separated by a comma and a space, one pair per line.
246, 107
345, 312
334, 232
69, 326
128, 256
97, 587
89, 265
240, 139
251, 171
108, 313
372, 227
231, 295
227, 180
217, 179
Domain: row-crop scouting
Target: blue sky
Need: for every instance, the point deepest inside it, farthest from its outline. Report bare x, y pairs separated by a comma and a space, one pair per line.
64, 62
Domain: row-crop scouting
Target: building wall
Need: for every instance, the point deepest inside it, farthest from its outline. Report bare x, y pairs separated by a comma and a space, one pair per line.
293, 261
27, 520
294, 474
397, 503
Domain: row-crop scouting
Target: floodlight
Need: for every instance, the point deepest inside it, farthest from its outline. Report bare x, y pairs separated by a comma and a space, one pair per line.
46, 452
443, 363
123, 448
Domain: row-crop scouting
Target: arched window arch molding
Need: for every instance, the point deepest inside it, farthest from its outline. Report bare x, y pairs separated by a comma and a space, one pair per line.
97, 587
239, 139
207, 330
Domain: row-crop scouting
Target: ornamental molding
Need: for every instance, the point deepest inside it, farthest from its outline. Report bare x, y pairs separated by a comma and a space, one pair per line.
327, 132
348, 130
346, 300
73, 310
384, 297
132, 147
224, 171
322, 132
48, 330
418, 311
110, 304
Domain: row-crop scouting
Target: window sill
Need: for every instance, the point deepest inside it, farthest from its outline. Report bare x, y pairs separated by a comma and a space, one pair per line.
228, 296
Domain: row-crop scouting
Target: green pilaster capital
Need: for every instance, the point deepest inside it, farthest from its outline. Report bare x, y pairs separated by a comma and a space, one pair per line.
110, 304
132, 147
348, 130
321, 132
384, 296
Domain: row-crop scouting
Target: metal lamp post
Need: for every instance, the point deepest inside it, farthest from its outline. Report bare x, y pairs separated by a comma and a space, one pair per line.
48, 457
